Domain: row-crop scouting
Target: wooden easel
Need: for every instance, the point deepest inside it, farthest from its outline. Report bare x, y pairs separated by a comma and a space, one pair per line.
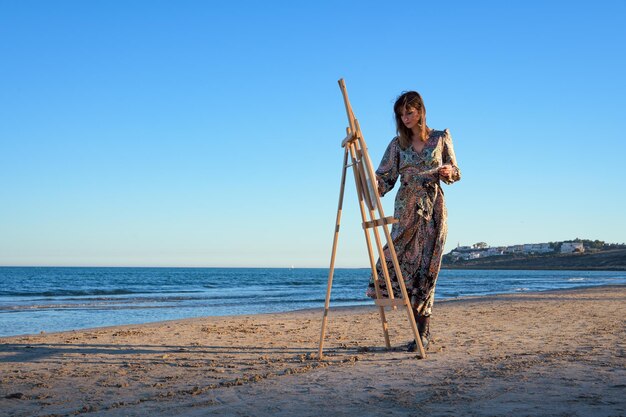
373, 218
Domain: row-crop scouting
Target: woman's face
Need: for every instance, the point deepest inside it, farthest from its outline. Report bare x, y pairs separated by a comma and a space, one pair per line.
410, 116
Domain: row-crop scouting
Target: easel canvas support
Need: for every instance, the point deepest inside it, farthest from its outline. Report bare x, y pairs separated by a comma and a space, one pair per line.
373, 218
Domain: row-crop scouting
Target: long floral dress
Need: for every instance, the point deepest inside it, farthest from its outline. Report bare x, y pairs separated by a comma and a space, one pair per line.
420, 234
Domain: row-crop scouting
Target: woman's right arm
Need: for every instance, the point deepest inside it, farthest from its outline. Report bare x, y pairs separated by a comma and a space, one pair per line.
388, 170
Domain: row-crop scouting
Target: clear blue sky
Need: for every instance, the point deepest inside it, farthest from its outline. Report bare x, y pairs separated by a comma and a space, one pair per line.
201, 133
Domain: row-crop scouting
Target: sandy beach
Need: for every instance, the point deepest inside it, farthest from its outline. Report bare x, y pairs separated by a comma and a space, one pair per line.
556, 353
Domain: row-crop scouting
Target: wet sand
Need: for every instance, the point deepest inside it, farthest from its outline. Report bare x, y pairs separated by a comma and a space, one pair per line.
557, 353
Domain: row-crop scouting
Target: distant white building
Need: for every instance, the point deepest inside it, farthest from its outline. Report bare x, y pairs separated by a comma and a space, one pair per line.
467, 252
537, 248
494, 251
571, 247
464, 255
514, 249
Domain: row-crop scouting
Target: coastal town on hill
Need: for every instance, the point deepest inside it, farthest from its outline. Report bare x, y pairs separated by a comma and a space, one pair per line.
481, 249
571, 254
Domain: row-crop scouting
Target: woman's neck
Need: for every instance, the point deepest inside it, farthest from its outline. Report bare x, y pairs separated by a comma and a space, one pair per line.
416, 134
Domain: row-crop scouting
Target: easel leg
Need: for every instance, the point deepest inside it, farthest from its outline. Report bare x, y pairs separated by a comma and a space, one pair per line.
372, 205
334, 251
381, 309
358, 177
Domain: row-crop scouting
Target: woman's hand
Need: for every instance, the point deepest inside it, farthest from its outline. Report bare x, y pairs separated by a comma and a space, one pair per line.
446, 171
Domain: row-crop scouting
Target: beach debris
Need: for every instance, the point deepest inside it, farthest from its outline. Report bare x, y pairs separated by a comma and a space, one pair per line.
127, 332
89, 409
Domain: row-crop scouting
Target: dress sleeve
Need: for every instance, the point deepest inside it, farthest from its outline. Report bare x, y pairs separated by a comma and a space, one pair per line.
388, 170
450, 158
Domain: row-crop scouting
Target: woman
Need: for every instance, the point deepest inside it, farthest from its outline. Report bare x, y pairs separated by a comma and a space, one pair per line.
420, 157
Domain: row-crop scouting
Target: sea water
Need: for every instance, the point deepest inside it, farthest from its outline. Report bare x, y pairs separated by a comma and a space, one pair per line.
51, 299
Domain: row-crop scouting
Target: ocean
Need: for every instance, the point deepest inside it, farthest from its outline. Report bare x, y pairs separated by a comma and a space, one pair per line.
52, 299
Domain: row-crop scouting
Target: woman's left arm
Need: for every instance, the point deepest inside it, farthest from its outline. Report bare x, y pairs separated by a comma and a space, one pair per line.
449, 172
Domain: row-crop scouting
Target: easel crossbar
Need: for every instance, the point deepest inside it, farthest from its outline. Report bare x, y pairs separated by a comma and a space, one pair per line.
379, 222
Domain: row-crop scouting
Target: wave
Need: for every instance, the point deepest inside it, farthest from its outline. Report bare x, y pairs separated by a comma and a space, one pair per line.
87, 293
170, 303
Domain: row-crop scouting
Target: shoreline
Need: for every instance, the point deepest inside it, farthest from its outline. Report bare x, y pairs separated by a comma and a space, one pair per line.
532, 268
490, 355
369, 305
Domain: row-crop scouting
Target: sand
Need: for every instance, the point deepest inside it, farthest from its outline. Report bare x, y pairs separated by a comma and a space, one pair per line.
557, 353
